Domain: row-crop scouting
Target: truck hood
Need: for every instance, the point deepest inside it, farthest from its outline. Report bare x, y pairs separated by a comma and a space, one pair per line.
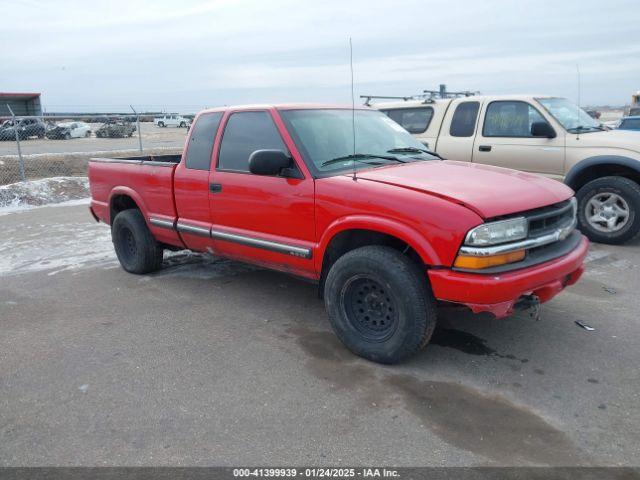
626, 139
488, 191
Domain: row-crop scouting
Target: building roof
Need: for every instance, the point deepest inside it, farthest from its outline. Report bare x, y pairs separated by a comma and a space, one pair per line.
19, 96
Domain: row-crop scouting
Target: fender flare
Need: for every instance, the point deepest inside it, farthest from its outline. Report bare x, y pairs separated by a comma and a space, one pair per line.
122, 190
377, 224
571, 179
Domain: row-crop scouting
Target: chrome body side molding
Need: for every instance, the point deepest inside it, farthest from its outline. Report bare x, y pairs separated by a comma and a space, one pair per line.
261, 243
162, 223
181, 226
192, 229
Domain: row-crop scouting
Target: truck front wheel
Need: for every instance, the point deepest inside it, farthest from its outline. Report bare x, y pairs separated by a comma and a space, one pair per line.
136, 248
380, 304
609, 209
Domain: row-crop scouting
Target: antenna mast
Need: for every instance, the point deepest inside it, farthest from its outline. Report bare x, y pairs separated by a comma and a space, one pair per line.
353, 108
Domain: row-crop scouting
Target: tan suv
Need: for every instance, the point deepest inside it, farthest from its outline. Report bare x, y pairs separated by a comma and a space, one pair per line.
540, 134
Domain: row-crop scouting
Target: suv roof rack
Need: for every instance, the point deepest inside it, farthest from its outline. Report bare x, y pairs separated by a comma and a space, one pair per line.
427, 96
368, 98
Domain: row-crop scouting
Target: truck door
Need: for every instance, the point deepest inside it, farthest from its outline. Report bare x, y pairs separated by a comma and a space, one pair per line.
506, 140
191, 184
455, 141
264, 219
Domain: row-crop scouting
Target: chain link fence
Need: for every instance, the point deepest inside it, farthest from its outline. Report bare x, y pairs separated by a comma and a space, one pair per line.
60, 145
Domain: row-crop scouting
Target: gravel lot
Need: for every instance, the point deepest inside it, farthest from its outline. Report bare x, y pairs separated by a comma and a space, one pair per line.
210, 362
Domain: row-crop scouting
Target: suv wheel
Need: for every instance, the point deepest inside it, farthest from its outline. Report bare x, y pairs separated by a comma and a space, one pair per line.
161, 124
609, 209
379, 304
136, 248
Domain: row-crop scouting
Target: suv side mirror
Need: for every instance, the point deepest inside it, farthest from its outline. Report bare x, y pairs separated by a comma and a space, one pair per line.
542, 129
268, 162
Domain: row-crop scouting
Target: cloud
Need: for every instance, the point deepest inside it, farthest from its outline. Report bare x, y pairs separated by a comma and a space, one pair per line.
225, 51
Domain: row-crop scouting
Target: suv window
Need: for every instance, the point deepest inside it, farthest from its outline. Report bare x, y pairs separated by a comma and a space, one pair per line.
413, 120
201, 141
245, 133
464, 118
630, 123
510, 119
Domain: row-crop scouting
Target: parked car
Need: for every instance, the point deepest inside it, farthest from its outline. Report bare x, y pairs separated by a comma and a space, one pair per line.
67, 130
630, 123
27, 128
545, 135
116, 129
171, 120
386, 229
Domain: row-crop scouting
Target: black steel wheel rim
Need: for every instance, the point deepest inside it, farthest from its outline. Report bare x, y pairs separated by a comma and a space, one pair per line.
369, 307
128, 244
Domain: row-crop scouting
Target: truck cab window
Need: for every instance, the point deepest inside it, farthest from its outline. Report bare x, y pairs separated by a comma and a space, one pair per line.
413, 120
463, 123
245, 133
510, 119
198, 156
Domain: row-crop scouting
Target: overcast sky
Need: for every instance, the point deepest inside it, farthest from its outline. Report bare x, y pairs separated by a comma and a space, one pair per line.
183, 56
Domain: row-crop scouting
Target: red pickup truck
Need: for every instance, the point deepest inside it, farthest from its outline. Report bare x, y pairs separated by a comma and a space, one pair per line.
388, 230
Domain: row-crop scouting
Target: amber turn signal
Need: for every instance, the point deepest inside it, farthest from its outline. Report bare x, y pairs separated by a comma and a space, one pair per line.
477, 263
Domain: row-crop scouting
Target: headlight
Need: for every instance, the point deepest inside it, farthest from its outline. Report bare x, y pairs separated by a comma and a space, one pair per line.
497, 232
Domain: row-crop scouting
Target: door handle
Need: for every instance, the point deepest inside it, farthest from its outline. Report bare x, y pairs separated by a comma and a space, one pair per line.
484, 148
215, 187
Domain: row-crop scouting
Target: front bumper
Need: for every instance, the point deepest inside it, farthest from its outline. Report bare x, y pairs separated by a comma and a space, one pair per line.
498, 293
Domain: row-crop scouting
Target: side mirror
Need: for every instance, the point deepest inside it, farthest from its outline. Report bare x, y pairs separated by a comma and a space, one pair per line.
542, 129
268, 162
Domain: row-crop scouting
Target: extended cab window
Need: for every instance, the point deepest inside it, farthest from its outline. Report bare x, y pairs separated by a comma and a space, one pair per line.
510, 119
463, 123
413, 120
245, 133
201, 141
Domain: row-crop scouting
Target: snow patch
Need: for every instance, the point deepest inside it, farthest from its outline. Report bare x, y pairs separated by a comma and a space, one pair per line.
55, 248
34, 193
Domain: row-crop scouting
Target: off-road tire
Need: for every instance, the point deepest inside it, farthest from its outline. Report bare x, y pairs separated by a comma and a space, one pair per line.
625, 188
401, 283
136, 248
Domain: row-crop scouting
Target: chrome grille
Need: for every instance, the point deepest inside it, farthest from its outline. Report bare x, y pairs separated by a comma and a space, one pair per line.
549, 219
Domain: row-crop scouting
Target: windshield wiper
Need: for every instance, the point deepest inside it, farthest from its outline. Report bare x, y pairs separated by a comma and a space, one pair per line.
360, 157
413, 150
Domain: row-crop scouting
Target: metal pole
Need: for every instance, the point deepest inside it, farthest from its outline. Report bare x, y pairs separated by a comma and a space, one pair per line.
138, 127
15, 129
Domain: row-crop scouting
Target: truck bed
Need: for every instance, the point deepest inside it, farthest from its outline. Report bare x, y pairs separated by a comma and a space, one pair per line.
148, 180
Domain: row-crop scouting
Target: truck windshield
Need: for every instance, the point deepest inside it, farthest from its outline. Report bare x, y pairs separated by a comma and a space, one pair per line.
325, 140
570, 116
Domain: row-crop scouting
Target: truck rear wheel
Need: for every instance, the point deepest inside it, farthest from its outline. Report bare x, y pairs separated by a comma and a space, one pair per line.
136, 248
380, 304
609, 209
